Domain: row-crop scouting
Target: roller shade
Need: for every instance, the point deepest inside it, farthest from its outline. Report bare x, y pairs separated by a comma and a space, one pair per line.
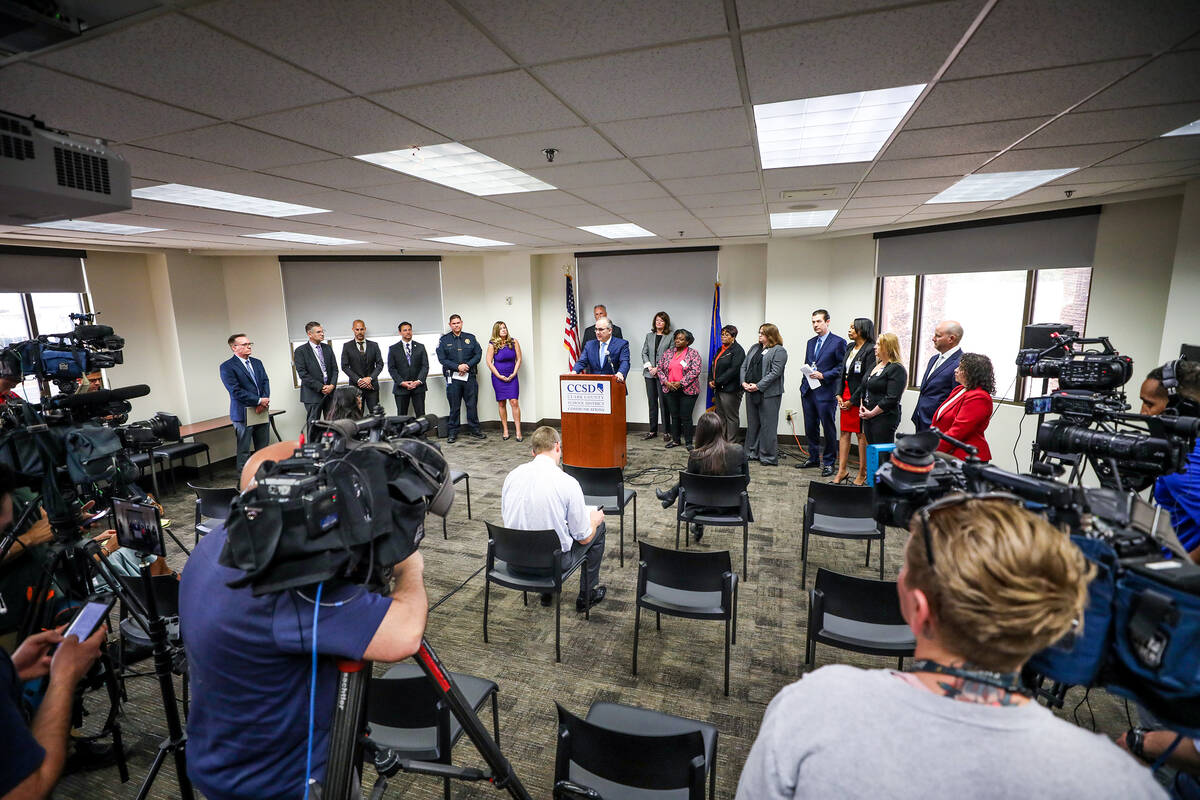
41, 269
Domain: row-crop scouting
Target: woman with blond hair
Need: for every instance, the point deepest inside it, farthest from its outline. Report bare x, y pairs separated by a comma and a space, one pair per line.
762, 380
880, 412
503, 360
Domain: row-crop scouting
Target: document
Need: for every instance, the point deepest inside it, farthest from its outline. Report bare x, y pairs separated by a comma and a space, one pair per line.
807, 370
458, 376
256, 417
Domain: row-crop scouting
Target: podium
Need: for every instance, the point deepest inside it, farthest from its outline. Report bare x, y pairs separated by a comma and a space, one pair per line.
592, 409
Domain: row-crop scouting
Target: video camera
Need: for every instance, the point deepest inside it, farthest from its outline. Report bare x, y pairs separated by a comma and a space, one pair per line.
348, 505
1057, 351
64, 358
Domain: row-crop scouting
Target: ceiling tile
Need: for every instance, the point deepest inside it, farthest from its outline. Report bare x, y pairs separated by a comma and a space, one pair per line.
582, 214
891, 188
900, 168
340, 173
1123, 172
850, 223
711, 184
680, 133
947, 209
641, 204
624, 191
1172, 148
356, 204
740, 226
812, 177
1055, 157
348, 127
235, 145
722, 199
167, 168
1169, 79
220, 76
524, 151
982, 137
1033, 34
535, 200
762, 13
889, 201
363, 45
874, 213
644, 83
1025, 94
414, 192
827, 57
710, 214
1054, 194
1113, 126
257, 184
707, 162
596, 173
783, 206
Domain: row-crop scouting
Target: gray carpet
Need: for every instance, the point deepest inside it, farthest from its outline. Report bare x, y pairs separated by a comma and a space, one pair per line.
680, 668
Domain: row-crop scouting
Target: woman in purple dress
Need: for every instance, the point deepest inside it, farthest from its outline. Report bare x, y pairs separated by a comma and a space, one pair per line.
504, 359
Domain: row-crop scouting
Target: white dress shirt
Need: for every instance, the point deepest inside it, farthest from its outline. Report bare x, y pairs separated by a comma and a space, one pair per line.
538, 496
943, 358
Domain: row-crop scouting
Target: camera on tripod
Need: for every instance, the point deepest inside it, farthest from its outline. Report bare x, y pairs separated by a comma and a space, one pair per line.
64, 358
1056, 350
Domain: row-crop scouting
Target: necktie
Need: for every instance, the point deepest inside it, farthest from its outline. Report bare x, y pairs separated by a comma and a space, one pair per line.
817, 349
250, 369
408, 352
362, 347
603, 354
320, 358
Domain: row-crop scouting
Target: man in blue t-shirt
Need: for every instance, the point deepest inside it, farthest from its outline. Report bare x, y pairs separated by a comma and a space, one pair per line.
250, 664
1179, 492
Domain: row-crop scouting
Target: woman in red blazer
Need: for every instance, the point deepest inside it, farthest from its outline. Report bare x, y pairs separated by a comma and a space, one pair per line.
967, 411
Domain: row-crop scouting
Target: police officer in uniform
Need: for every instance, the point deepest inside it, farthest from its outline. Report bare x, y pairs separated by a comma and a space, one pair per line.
459, 354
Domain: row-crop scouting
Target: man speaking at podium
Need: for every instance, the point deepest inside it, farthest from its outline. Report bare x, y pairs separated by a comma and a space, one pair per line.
605, 355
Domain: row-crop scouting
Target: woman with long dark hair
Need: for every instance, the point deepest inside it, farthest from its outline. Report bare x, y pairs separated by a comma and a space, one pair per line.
860, 360
657, 342
713, 454
347, 404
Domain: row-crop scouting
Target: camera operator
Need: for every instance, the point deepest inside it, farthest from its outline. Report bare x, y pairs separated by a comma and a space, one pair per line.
249, 660
10, 377
1179, 492
32, 756
985, 585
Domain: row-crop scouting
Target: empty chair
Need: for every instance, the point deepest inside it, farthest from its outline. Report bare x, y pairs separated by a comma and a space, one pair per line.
634, 753
530, 561
406, 715
715, 501
859, 614
457, 475
690, 585
180, 449
840, 512
211, 504
605, 487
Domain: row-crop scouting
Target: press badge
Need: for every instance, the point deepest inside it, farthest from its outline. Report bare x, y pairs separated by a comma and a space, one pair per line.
858, 366
683, 364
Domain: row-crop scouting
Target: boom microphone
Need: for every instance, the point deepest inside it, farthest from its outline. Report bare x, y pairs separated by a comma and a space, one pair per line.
102, 397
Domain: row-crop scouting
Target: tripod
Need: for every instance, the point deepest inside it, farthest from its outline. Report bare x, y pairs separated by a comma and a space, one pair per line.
348, 740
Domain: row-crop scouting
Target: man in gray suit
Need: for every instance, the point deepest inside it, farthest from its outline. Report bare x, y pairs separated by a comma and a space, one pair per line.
362, 362
317, 371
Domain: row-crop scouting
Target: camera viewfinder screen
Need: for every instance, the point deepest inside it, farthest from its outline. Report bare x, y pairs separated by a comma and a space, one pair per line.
138, 527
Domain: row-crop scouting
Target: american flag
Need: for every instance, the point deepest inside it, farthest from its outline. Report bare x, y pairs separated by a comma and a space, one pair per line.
571, 331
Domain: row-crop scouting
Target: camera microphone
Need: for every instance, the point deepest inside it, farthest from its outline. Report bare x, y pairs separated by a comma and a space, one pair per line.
420, 426
101, 397
93, 331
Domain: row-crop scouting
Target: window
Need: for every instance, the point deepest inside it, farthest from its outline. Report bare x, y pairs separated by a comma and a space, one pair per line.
44, 312
993, 308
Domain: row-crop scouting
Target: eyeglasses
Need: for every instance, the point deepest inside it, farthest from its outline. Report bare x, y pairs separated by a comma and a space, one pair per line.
956, 500
243, 344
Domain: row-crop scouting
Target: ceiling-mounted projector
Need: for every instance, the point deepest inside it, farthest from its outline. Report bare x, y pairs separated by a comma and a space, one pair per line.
47, 175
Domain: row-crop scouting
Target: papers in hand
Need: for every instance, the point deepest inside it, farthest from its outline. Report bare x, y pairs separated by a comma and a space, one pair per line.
808, 370
459, 376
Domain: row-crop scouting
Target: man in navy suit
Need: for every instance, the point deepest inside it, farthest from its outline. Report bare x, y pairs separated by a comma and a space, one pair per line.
606, 354
939, 374
246, 381
826, 354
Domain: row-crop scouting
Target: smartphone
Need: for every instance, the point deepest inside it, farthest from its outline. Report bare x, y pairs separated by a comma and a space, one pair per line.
97, 517
139, 527
91, 616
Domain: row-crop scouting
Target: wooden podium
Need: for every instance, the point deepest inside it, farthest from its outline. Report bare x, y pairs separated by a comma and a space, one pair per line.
592, 408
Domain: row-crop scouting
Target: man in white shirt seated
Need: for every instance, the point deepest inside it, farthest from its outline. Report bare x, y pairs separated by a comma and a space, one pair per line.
539, 496
985, 585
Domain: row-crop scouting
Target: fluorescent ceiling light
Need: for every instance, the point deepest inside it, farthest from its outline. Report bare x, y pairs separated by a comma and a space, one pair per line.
996, 185
802, 219
1191, 129
303, 238
835, 129
223, 201
469, 241
622, 231
95, 227
459, 167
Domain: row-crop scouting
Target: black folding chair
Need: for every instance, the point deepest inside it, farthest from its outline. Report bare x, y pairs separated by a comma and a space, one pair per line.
605, 487
180, 449
211, 504
690, 585
857, 614
840, 512
457, 475
703, 500
406, 715
530, 561
619, 750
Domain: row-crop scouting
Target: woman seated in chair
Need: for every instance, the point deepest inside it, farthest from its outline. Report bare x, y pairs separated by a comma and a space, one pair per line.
713, 454
347, 404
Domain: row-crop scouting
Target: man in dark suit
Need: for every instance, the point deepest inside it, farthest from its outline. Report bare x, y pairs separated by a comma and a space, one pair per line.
246, 381
362, 361
317, 371
589, 333
408, 364
606, 354
826, 354
939, 374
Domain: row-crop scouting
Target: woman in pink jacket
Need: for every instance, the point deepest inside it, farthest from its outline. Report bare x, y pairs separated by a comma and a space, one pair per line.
679, 376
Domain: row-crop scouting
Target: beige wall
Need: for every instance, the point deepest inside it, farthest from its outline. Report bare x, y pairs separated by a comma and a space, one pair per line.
1181, 324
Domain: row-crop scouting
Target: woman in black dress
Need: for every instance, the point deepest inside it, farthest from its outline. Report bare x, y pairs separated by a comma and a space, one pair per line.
712, 454
880, 413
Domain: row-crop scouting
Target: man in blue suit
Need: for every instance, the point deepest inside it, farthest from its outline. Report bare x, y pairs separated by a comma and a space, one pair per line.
606, 354
939, 374
246, 381
826, 354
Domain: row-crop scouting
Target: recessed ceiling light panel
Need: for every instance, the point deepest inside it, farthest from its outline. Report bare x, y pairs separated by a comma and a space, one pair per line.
835, 129
802, 219
470, 241
222, 201
95, 227
302, 238
985, 186
620, 231
459, 167
1191, 129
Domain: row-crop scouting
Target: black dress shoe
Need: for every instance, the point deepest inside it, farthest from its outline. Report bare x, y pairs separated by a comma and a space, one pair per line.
669, 445
597, 595
826, 471
651, 435
812, 462
477, 434
452, 438
547, 599
698, 529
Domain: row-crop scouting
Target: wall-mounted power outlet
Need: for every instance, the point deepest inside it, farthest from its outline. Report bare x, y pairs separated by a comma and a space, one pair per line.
788, 414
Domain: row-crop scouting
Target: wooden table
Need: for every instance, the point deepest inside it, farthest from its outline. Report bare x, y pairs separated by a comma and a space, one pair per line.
218, 423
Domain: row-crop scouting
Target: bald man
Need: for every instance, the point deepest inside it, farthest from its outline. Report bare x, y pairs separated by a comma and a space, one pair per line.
939, 375
249, 659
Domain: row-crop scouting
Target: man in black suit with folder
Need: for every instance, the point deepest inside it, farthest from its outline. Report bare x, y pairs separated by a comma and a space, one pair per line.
408, 364
362, 362
317, 371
